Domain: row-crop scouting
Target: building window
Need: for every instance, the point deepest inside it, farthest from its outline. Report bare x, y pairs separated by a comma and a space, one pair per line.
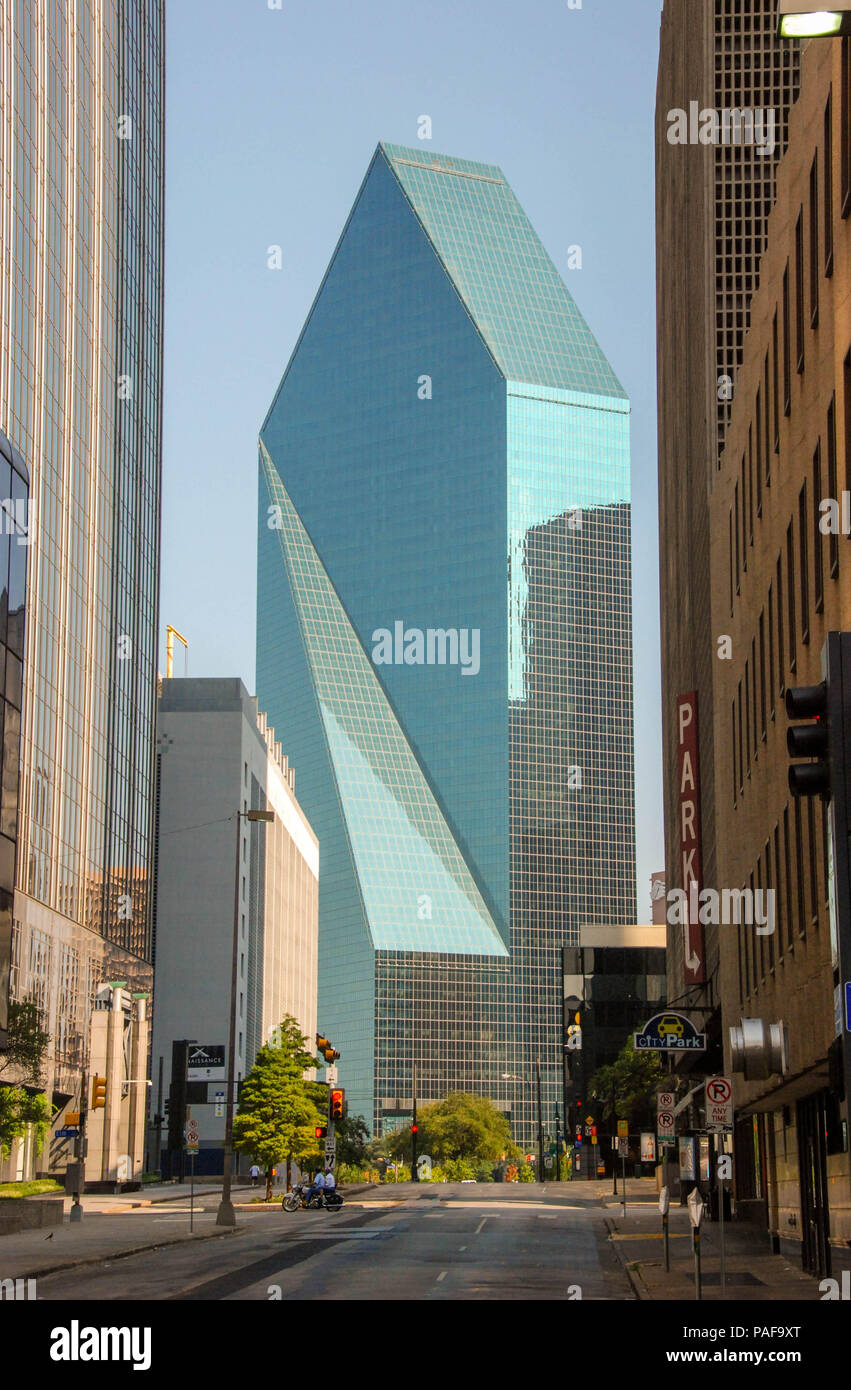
767, 437
833, 545
770, 878
731, 563
733, 746
803, 559
818, 562
790, 596
799, 293
828, 185
762, 721
771, 651
845, 131
736, 507
750, 483
748, 714
846, 420
740, 748
754, 699
813, 847
799, 867
790, 897
775, 397
787, 346
780, 653
745, 516
814, 243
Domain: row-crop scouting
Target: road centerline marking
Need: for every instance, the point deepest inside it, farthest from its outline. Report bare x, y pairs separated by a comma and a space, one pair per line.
442, 1275
481, 1224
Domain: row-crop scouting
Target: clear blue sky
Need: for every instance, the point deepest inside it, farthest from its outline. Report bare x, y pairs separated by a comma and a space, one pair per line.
273, 115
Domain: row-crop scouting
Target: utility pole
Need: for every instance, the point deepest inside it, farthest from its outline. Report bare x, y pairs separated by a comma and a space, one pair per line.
415, 1177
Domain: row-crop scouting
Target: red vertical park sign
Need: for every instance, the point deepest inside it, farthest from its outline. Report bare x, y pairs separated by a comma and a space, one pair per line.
691, 868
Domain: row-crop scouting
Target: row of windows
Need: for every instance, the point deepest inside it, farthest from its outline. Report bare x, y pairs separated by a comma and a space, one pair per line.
779, 627
795, 843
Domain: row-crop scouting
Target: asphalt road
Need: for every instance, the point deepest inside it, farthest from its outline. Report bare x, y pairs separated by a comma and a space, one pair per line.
447, 1242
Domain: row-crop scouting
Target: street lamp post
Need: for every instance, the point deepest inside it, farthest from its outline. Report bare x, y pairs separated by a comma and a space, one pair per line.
226, 1216
798, 19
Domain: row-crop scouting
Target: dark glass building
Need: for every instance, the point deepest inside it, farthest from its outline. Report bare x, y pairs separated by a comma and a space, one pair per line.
81, 214
15, 539
444, 634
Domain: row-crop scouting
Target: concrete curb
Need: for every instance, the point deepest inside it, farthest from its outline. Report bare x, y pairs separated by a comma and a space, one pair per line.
637, 1284
109, 1256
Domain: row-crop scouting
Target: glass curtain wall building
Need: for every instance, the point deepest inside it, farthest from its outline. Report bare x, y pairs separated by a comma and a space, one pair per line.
444, 633
81, 243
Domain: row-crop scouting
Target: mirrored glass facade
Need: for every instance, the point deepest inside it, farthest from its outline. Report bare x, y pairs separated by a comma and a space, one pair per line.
81, 224
444, 633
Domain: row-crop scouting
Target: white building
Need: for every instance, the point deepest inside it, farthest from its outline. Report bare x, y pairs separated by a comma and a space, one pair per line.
217, 755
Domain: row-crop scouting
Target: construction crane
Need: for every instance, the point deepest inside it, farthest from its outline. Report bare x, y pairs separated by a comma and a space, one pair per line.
170, 634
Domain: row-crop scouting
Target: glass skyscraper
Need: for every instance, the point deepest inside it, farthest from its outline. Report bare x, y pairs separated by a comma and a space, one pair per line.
444, 635
81, 244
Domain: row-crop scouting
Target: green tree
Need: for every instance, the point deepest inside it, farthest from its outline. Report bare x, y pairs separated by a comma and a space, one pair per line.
20, 1104
278, 1112
462, 1126
632, 1080
353, 1142
26, 1044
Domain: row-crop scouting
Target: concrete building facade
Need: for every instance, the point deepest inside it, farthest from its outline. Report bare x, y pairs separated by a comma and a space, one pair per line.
216, 755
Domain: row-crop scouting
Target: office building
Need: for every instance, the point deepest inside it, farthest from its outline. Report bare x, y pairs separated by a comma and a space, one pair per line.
445, 627
216, 755
14, 549
81, 227
781, 580
713, 201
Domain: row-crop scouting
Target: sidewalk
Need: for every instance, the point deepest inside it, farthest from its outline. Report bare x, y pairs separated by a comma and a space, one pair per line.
752, 1272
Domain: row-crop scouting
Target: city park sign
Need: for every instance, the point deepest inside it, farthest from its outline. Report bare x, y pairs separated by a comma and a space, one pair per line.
669, 1032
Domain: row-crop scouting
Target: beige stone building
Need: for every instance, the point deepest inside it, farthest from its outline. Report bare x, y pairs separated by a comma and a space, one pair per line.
712, 204
778, 587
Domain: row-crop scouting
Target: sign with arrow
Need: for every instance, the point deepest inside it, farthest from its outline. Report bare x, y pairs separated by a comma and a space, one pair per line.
691, 867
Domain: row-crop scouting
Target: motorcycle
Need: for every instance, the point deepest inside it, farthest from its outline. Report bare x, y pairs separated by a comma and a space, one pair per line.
298, 1200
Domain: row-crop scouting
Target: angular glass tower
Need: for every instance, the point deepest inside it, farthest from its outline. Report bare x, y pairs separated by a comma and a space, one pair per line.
444, 634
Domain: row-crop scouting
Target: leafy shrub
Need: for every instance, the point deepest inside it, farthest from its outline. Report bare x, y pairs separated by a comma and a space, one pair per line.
527, 1173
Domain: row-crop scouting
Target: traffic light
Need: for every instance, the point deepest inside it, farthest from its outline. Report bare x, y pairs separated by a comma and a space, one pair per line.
99, 1093
338, 1102
321, 1131
328, 1052
415, 1129
811, 740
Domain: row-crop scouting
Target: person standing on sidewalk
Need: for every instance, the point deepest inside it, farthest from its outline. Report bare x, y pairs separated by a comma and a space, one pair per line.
254, 1174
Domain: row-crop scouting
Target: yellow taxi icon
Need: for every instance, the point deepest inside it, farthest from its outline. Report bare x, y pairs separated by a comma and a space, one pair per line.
670, 1026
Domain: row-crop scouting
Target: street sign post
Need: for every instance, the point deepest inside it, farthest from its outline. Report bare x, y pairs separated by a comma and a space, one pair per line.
664, 1204
623, 1129
719, 1104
